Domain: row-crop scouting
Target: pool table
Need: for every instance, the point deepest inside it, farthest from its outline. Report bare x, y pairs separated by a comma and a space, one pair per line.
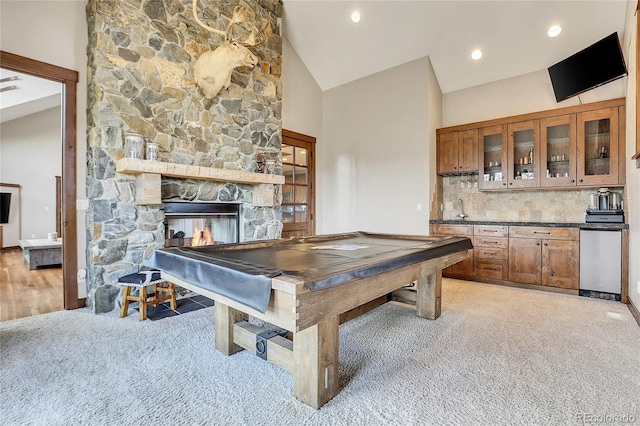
311, 283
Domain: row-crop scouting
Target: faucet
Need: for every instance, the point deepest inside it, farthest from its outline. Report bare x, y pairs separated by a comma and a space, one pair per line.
459, 203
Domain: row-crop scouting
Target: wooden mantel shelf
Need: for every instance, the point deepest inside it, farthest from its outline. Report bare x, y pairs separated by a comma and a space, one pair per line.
185, 171
149, 173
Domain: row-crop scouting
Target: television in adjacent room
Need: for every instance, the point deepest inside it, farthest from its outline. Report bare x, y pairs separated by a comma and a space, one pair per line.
598, 64
5, 204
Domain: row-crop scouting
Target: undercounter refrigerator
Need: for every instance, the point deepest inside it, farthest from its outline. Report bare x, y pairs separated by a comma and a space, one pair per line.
600, 264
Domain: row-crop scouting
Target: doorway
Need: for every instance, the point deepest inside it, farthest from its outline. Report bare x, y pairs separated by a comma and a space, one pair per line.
69, 80
298, 191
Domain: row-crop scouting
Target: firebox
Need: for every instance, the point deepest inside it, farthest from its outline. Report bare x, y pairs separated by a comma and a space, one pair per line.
190, 224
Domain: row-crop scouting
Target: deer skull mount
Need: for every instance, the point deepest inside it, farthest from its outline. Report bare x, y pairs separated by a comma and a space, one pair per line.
213, 69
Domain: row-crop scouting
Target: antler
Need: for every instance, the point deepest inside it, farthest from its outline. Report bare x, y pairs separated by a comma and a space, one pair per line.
240, 15
257, 35
205, 26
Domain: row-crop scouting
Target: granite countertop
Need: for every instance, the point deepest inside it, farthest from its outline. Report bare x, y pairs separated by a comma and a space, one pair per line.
603, 226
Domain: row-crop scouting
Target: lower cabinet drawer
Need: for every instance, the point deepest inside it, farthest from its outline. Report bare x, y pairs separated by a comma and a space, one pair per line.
491, 253
497, 242
495, 270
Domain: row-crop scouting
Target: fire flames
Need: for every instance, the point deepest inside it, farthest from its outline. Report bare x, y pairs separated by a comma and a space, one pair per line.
202, 238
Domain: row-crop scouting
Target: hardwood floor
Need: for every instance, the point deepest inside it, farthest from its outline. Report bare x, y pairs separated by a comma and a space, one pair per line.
24, 293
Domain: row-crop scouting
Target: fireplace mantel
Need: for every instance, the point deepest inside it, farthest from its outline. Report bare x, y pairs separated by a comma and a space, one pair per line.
149, 173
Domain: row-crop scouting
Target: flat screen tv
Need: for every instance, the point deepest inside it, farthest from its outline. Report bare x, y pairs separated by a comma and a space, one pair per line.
600, 63
5, 203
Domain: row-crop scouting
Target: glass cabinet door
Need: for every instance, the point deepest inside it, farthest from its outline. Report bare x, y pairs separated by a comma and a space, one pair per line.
558, 167
493, 157
524, 154
598, 147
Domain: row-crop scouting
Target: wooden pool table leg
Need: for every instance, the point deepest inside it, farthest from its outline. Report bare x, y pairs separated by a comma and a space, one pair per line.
226, 316
429, 294
315, 363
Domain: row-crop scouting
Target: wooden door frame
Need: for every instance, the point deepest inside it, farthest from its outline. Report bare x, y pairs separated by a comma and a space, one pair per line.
304, 141
69, 80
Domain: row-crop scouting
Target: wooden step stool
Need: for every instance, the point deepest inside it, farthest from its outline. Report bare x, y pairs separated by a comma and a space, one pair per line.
161, 291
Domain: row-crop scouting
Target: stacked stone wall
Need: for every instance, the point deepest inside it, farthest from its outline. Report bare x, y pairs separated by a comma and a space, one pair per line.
140, 80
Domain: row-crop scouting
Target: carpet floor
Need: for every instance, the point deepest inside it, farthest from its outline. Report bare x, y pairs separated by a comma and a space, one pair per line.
496, 356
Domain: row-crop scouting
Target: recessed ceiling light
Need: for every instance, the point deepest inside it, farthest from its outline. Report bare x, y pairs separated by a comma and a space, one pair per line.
355, 17
554, 31
476, 54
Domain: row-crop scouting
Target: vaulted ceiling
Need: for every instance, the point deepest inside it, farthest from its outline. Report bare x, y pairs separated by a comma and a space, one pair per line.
512, 35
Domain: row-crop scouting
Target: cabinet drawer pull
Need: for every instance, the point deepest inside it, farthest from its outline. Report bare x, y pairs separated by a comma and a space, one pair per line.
488, 253
545, 244
490, 269
489, 230
541, 232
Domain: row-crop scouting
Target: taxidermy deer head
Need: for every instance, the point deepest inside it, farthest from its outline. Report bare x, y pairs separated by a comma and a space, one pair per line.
213, 69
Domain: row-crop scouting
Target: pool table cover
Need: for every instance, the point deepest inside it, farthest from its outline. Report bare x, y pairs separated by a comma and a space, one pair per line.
243, 272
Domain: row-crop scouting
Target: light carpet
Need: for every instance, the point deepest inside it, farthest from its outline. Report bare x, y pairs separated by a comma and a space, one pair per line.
496, 356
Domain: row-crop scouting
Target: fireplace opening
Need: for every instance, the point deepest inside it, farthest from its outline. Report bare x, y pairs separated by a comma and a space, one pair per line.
196, 224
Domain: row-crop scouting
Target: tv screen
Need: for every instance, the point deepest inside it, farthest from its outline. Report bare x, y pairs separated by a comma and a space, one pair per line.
5, 203
594, 66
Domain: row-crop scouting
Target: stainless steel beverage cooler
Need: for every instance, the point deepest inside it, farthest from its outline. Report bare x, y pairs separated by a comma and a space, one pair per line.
601, 264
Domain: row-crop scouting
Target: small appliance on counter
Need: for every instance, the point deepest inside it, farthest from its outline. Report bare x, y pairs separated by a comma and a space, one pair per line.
605, 207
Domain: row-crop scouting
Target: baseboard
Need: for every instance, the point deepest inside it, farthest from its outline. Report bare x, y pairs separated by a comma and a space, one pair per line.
82, 303
634, 311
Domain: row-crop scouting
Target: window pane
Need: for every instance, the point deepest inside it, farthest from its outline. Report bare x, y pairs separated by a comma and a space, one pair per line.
301, 194
301, 156
301, 213
287, 193
301, 175
287, 170
287, 214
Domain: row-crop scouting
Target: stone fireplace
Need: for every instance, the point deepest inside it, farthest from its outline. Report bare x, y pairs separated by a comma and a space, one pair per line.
141, 80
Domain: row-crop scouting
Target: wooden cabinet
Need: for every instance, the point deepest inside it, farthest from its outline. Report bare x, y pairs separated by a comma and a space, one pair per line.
457, 152
598, 147
463, 269
558, 151
545, 256
491, 251
523, 154
493, 157
582, 145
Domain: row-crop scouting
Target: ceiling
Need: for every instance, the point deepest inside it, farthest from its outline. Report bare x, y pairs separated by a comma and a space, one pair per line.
33, 94
512, 35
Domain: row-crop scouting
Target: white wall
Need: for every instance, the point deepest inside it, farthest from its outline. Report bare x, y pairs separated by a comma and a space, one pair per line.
633, 174
55, 32
301, 96
302, 110
375, 167
31, 156
518, 95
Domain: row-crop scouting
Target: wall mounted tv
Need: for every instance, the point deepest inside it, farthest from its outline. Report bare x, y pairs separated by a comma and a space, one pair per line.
5, 203
600, 63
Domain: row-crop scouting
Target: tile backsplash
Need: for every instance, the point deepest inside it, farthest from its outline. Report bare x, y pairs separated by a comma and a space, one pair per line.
557, 206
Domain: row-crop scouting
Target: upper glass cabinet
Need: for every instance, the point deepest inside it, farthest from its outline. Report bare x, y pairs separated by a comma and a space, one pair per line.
598, 147
493, 157
524, 154
558, 151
